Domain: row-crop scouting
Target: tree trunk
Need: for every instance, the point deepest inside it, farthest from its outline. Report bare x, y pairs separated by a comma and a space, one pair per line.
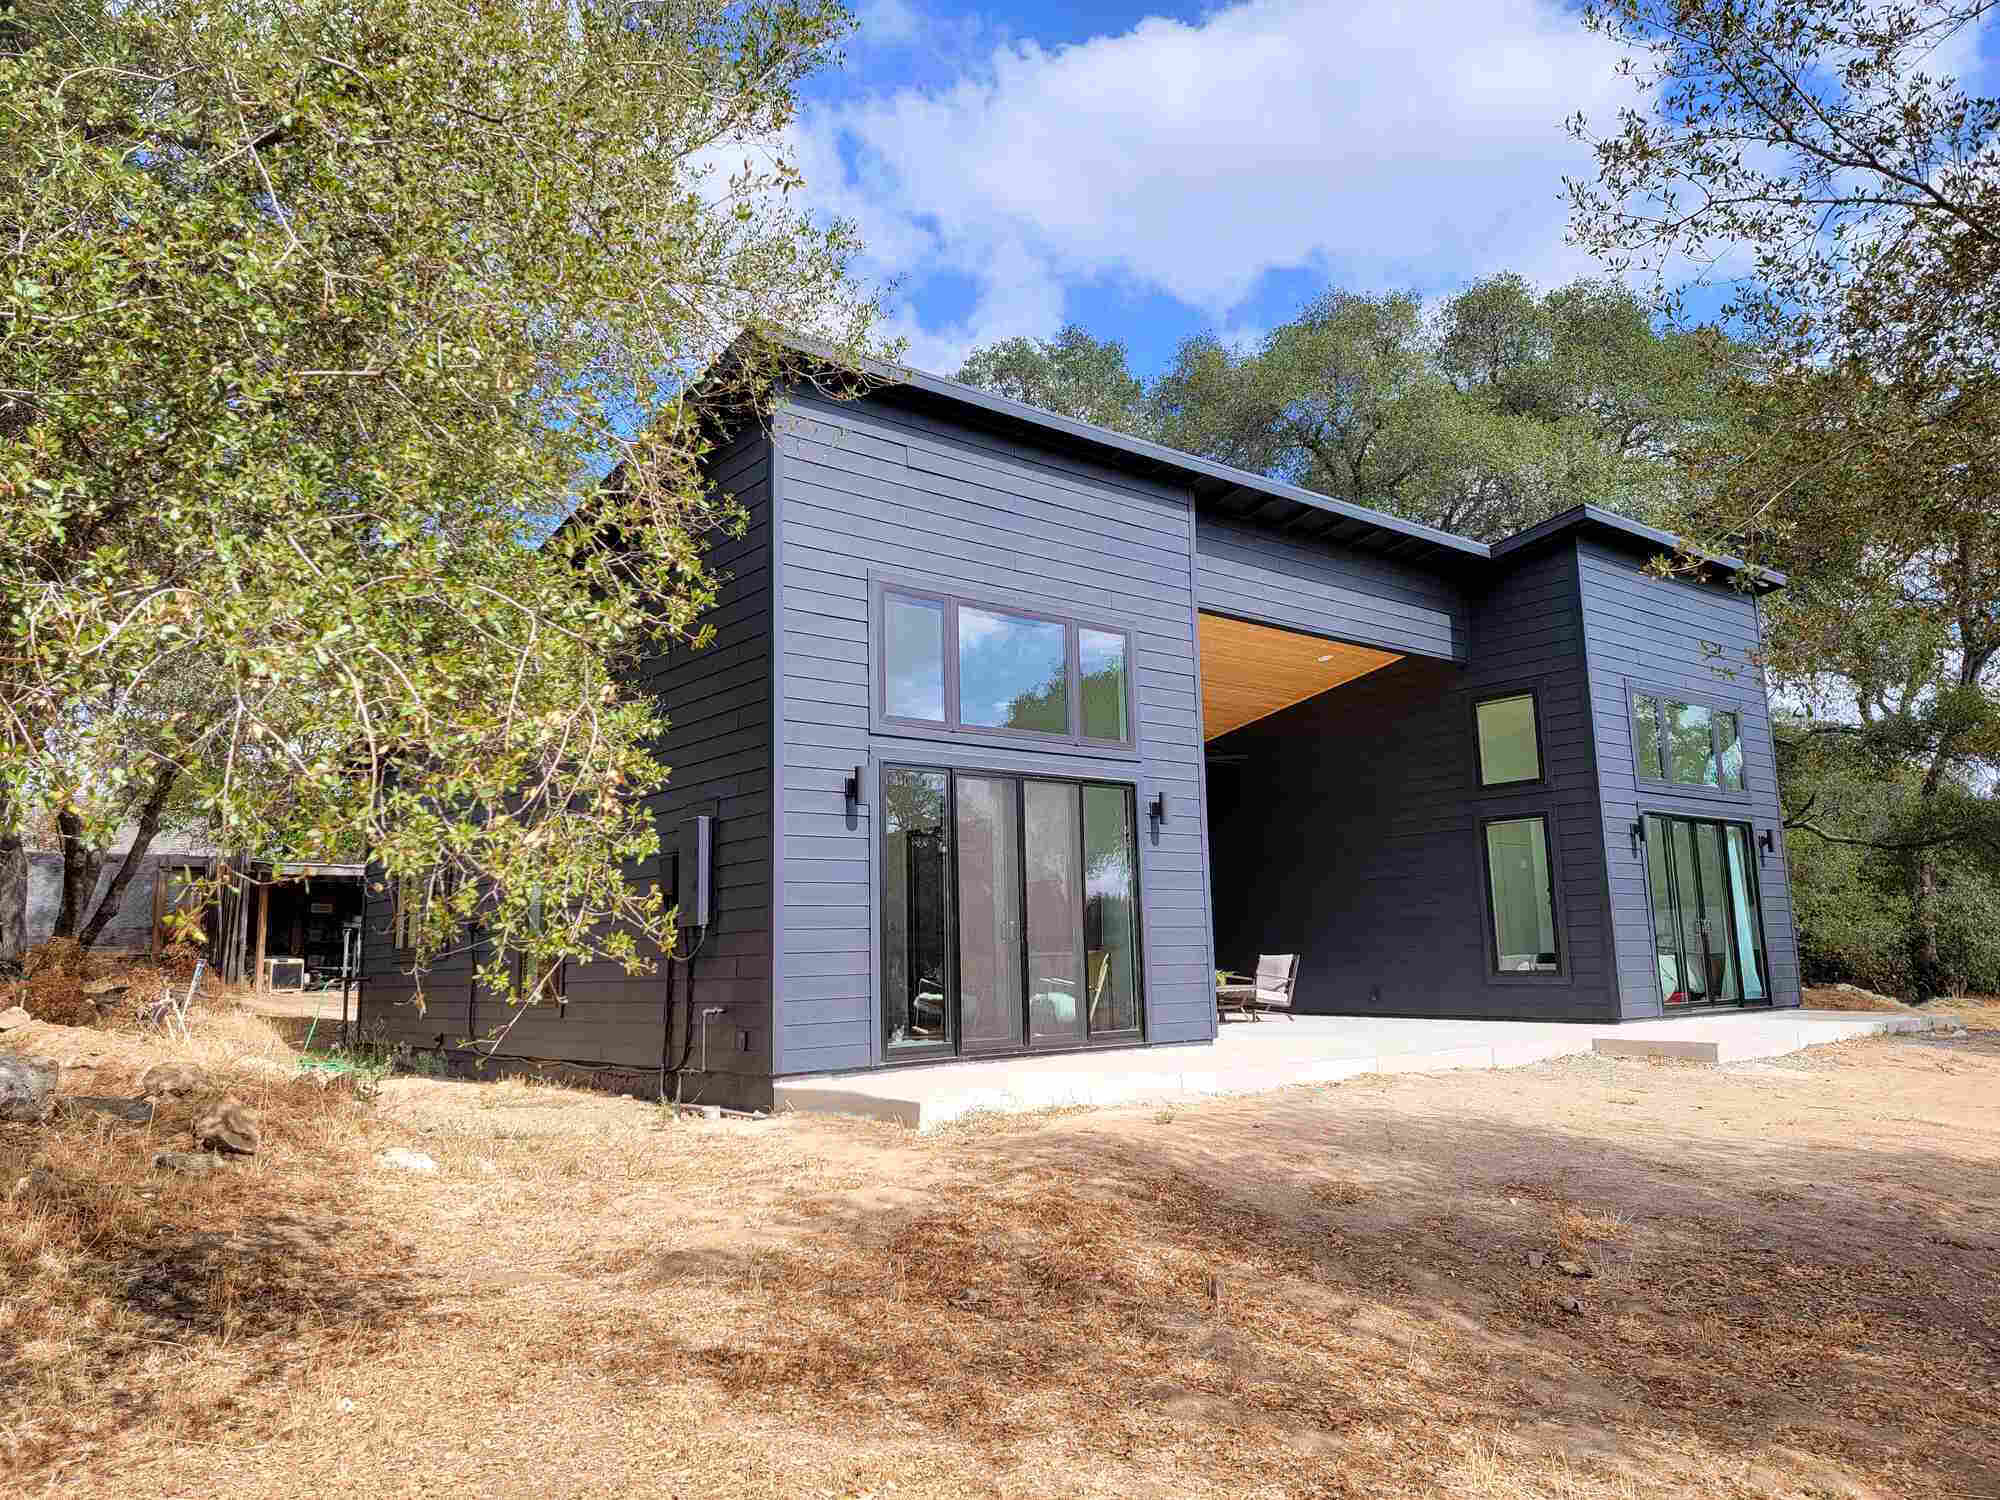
142, 839
13, 892
81, 866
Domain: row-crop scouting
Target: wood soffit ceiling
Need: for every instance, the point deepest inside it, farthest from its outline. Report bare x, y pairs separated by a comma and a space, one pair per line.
1251, 671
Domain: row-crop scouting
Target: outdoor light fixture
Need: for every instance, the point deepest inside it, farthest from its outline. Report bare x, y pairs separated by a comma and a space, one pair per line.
1638, 830
1158, 807
854, 790
1768, 841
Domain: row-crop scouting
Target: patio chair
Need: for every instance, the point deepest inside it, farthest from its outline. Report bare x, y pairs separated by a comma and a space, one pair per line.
1269, 990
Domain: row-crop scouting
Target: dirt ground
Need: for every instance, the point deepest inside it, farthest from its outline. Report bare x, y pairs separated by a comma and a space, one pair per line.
1792, 1290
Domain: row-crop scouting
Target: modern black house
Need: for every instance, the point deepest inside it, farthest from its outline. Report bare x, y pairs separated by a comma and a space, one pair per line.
1014, 730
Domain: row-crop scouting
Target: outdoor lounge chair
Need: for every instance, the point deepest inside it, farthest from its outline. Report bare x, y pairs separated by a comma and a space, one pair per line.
1270, 990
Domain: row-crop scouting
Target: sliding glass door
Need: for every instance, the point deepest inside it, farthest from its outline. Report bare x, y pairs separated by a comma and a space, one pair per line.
1009, 913
1708, 938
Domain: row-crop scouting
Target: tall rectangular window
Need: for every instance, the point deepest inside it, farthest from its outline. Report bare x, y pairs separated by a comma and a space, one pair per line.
916, 910
1728, 752
1510, 746
1646, 737
913, 657
1111, 909
1521, 886
1106, 692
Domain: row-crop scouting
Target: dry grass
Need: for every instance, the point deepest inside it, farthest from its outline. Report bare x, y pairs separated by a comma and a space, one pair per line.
1792, 1293
1849, 997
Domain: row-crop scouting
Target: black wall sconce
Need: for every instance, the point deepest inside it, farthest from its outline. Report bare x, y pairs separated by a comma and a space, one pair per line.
1768, 841
1158, 807
854, 790
1638, 830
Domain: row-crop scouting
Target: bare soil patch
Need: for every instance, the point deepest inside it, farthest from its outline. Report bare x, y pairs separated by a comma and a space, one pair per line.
1593, 1278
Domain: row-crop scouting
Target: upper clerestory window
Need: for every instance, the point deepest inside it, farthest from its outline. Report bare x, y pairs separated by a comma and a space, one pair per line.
955, 663
1688, 744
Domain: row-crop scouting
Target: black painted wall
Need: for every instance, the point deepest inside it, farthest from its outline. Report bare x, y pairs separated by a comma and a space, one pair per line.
1348, 827
1678, 636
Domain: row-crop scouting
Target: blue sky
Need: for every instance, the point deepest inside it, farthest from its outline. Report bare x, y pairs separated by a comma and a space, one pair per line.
1152, 171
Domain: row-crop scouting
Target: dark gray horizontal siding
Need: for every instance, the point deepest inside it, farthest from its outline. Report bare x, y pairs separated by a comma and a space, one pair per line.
718, 747
1326, 589
1347, 828
864, 487
1675, 635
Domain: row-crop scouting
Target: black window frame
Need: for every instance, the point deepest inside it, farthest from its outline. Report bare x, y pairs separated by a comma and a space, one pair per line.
1753, 875
953, 1047
953, 726
1532, 692
1660, 781
1560, 975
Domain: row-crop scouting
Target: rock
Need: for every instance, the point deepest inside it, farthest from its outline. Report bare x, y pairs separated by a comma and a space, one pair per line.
13, 1018
27, 1090
1570, 1305
405, 1160
193, 1163
37, 1182
1572, 1268
137, 1111
170, 1078
228, 1126
1536, 1259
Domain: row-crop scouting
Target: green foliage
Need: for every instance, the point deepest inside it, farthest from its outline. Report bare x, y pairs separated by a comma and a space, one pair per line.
318, 318
1491, 412
1864, 449
1072, 374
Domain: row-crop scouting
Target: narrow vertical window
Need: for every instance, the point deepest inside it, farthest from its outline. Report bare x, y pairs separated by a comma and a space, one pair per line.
1728, 752
1510, 747
1106, 686
1111, 908
1519, 878
1053, 843
913, 657
916, 909
1646, 737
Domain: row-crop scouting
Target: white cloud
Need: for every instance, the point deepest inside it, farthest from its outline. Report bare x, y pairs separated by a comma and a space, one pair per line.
1414, 143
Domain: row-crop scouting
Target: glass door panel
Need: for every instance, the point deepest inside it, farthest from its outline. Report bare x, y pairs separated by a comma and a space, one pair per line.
916, 911
1053, 845
1718, 951
1743, 901
1708, 943
1111, 909
1687, 911
1666, 915
989, 913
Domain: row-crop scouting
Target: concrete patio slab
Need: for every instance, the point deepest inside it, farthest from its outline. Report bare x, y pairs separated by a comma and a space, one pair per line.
1254, 1057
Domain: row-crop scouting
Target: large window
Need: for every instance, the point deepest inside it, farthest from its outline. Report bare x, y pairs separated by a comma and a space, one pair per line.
1510, 746
1521, 889
956, 664
1010, 912
1687, 744
1707, 937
